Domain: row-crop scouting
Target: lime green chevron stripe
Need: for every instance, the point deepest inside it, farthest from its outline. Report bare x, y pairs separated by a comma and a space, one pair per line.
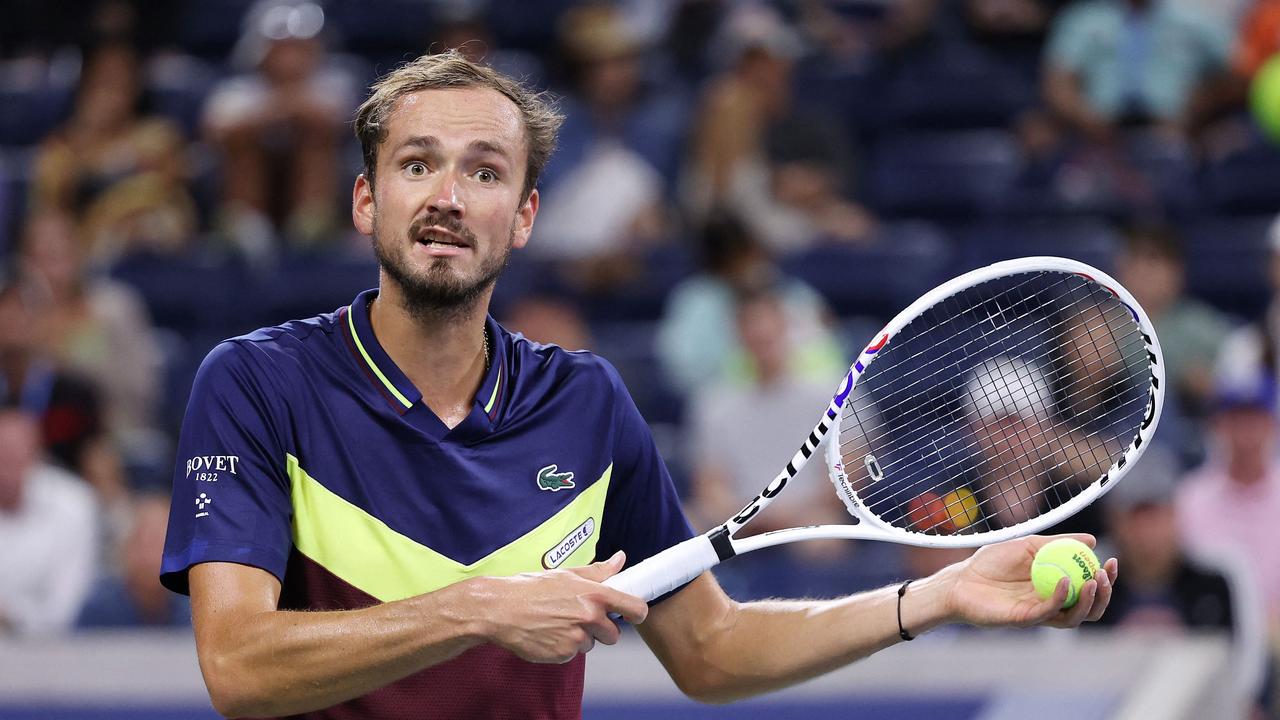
360, 346
488, 407
364, 552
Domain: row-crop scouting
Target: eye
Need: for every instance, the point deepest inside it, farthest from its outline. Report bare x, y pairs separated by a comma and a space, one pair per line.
486, 176
416, 169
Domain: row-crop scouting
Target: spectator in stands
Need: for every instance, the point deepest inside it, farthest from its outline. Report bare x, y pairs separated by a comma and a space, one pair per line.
48, 532
1165, 589
97, 328
67, 406
697, 340
279, 127
786, 172
1232, 502
120, 172
737, 108
132, 595
740, 432
603, 191
1112, 63
1190, 332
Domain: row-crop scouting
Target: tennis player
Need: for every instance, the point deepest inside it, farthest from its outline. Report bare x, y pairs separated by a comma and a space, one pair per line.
401, 510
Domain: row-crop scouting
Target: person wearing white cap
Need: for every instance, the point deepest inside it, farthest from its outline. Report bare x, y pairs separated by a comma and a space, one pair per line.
278, 127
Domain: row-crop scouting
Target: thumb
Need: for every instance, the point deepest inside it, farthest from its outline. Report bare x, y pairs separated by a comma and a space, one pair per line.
603, 570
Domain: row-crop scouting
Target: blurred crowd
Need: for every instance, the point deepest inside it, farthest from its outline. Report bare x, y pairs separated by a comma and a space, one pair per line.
743, 192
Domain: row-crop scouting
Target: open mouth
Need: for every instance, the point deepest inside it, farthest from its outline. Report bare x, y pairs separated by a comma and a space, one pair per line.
437, 238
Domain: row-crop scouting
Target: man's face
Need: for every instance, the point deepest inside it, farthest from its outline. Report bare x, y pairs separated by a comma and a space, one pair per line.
19, 451
446, 209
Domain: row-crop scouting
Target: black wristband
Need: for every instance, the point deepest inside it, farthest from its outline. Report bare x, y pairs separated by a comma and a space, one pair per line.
902, 632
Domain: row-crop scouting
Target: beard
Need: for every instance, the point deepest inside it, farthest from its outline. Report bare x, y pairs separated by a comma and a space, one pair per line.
439, 290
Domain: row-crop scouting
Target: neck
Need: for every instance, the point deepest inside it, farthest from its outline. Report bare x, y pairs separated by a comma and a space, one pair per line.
441, 353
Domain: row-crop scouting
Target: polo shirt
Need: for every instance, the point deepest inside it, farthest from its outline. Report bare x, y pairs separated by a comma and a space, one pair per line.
306, 452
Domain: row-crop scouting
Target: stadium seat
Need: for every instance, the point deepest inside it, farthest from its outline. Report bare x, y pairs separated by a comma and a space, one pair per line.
905, 259
1245, 181
630, 347
176, 88
1090, 240
189, 294
1228, 261
211, 28
386, 31
942, 174
957, 86
31, 107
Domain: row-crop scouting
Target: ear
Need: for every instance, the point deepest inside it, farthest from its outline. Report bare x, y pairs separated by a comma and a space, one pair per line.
524, 220
362, 205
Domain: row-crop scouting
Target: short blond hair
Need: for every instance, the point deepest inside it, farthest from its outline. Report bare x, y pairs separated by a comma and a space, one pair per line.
450, 69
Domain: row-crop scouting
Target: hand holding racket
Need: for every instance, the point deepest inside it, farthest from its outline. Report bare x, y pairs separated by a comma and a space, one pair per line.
997, 405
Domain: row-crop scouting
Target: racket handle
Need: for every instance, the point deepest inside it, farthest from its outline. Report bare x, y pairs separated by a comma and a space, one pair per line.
667, 570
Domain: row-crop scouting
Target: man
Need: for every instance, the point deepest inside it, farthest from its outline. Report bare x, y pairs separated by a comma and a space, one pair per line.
48, 532
404, 469
1231, 502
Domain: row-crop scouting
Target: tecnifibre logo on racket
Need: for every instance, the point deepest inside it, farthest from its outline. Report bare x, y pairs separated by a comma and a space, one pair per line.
550, 479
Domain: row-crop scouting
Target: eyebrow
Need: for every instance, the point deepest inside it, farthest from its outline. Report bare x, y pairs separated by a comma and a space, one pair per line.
431, 142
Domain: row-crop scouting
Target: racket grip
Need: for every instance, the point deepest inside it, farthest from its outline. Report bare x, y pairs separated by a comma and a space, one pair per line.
667, 570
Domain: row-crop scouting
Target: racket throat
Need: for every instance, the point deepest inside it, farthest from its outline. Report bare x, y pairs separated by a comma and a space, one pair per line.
721, 542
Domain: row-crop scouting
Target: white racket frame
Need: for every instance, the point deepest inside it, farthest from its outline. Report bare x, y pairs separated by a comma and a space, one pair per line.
683, 562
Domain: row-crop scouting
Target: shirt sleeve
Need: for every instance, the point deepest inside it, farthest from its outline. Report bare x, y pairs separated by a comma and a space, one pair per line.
1067, 47
230, 487
642, 515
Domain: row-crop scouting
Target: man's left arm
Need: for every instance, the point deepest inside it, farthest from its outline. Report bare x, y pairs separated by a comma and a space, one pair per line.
718, 650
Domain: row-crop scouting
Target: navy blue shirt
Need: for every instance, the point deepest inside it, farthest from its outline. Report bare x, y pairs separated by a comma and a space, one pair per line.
306, 452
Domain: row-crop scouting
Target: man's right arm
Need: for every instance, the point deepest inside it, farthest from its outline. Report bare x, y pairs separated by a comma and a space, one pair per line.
260, 661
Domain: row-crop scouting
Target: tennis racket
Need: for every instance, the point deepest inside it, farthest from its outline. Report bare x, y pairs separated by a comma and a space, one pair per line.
998, 404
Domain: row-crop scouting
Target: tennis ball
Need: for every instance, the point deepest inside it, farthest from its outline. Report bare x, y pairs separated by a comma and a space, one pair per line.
1064, 557
1264, 97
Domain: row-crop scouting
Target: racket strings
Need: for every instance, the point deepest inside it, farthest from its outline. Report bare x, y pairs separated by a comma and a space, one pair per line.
908, 397
1074, 396
1019, 460
1095, 461
957, 431
1051, 445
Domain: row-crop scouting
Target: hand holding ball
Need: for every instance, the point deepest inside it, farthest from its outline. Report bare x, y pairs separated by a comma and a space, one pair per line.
1065, 557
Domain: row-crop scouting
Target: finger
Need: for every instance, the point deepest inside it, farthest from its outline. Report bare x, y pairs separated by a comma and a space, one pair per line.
1076, 615
1051, 608
1103, 598
1112, 567
633, 609
603, 570
1039, 541
603, 629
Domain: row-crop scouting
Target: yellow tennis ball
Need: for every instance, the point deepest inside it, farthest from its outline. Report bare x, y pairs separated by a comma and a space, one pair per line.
1064, 557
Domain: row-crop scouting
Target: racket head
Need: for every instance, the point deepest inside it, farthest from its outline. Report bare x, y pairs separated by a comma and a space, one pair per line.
992, 398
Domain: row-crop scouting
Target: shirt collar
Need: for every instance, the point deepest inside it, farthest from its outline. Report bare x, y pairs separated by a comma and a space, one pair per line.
394, 385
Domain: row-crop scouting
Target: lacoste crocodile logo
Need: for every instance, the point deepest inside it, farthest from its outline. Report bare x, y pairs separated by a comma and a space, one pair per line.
549, 479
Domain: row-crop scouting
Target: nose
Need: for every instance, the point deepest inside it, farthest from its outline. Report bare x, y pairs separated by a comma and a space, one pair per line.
446, 199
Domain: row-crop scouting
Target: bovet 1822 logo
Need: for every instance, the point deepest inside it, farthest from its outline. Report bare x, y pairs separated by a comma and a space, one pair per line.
569, 544
208, 468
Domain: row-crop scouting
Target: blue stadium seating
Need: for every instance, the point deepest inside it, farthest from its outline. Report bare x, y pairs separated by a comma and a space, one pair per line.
1246, 181
210, 28
943, 174
29, 108
904, 260
1089, 240
1228, 262
958, 86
